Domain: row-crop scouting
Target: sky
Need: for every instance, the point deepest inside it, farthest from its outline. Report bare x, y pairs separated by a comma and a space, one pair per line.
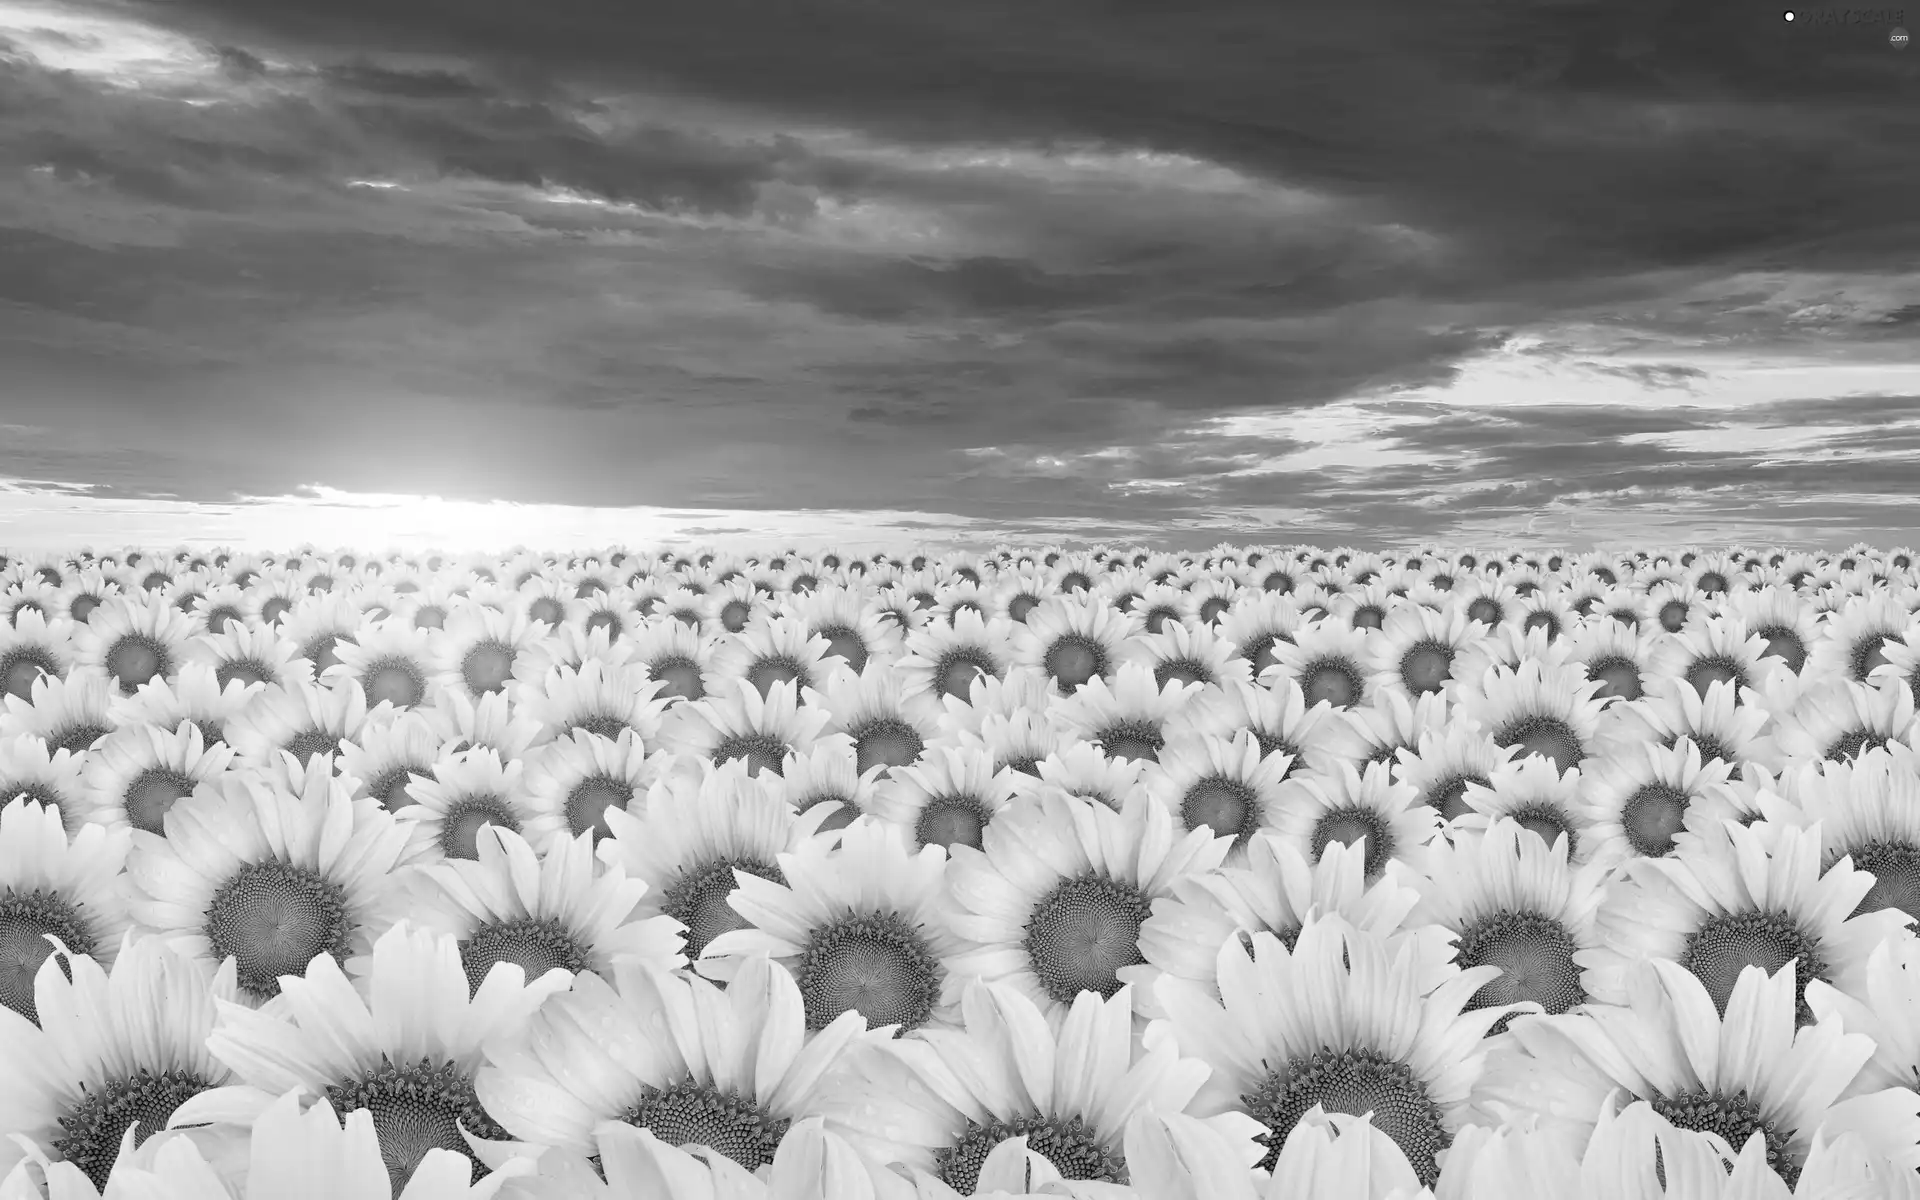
1361, 272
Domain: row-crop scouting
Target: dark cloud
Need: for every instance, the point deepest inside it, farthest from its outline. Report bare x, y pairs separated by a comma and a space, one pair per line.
995, 259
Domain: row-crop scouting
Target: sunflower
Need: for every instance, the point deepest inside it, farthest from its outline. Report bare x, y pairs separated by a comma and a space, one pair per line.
391, 661
1534, 710
572, 782
1838, 719
466, 792
30, 596
1418, 648
32, 647
1742, 1070
196, 696
1671, 710
1276, 715
118, 1047
1902, 665
1072, 639
1053, 901
549, 599
404, 1047
249, 654
429, 607
1392, 725
1546, 802
1641, 798
1327, 662
138, 772
695, 1065
828, 774
1224, 785
945, 658
940, 1101
1517, 903
1853, 642
480, 651
302, 719
1275, 890
133, 641
1189, 654
55, 778
222, 605
949, 798
597, 698
1346, 1020
1082, 769
463, 723
387, 752
1717, 648
775, 649
539, 911
1327, 1156
55, 883
856, 634
863, 926
1017, 593
1867, 810
888, 726
1883, 1009
1128, 719
266, 874
317, 625
738, 723
1351, 807
679, 657
1730, 896
1616, 656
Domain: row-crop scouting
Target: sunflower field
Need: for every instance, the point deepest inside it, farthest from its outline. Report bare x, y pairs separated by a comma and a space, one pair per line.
1259, 873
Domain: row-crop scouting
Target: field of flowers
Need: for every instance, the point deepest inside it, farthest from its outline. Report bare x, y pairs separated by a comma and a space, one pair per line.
1247, 874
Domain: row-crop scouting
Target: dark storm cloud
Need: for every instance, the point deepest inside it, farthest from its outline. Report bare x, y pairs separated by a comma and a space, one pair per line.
745, 255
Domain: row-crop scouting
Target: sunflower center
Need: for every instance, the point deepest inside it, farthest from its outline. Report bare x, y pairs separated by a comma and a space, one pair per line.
956, 672
25, 920
694, 1114
1082, 932
1071, 1146
1426, 667
1181, 670
396, 681
1349, 825
588, 802
1226, 806
1785, 645
430, 616
1535, 956
151, 794
1651, 818
1131, 740
1336, 681
91, 1130
765, 672
416, 1108
1485, 611
1158, 617
548, 610
1021, 606
487, 667
845, 644
605, 619
1896, 876
537, 944
1260, 653
1867, 653
20, 667
1072, 660
1547, 823
1852, 744
734, 615
273, 918
82, 608
886, 742
953, 820
390, 787
601, 725
246, 670
1273, 743
1354, 1081
460, 827
1449, 796
309, 742
873, 962
698, 899
1549, 737
135, 658
763, 752
1673, 616
681, 677
1619, 678
1734, 1117
1706, 672
1542, 619
1725, 945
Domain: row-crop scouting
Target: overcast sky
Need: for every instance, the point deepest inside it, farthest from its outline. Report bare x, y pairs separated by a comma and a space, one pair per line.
1360, 271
